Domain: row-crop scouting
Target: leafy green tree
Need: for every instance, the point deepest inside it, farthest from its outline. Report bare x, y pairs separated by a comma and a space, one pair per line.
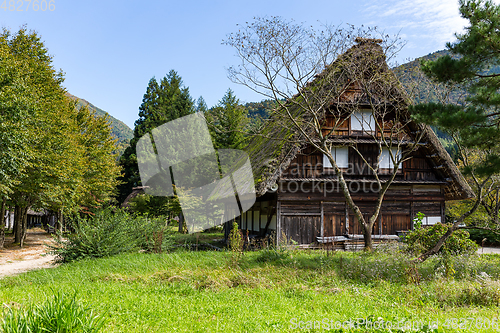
162, 102
227, 122
55, 154
472, 65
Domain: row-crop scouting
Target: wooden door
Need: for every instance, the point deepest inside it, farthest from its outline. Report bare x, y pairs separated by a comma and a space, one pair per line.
302, 229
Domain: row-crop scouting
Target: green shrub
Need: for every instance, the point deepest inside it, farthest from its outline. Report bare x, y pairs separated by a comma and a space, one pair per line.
422, 239
110, 232
57, 314
235, 239
477, 235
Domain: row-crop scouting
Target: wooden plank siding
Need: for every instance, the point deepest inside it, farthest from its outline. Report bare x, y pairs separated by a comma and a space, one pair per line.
302, 229
309, 164
394, 217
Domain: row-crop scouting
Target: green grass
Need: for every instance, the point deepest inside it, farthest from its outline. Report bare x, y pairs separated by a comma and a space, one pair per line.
260, 291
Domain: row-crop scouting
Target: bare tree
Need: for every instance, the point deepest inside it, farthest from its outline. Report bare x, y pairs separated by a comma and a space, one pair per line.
320, 79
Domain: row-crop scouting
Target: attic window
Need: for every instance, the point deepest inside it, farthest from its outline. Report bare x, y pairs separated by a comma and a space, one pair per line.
340, 155
362, 121
386, 160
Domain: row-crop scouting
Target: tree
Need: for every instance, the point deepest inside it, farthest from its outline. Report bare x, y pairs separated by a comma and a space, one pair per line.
474, 122
57, 153
227, 122
310, 73
161, 103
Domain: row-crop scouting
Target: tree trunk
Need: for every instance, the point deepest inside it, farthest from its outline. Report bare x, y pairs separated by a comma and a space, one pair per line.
17, 225
182, 230
24, 225
2, 223
10, 225
367, 236
60, 223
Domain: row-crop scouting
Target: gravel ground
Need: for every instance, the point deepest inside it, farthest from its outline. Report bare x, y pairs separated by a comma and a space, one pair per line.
15, 260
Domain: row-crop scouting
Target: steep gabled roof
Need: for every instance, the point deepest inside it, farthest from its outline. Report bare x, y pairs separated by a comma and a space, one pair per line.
279, 141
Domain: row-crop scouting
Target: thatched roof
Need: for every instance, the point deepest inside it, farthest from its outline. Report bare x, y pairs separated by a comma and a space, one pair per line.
279, 142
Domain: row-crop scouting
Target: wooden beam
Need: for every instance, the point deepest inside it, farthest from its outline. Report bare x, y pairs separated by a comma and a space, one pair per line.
346, 218
260, 216
322, 219
252, 217
301, 214
278, 222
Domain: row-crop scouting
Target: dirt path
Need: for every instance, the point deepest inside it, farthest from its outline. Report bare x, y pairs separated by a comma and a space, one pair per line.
14, 260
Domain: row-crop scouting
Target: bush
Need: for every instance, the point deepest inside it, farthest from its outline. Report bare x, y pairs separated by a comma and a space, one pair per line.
111, 232
235, 239
422, 239
477, 235
57, 314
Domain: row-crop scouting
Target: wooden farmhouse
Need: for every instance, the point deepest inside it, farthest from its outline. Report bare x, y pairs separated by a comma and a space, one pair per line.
298, 194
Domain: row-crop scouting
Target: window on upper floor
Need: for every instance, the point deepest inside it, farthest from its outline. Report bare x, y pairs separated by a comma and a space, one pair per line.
340, 155
363, 120
386, 161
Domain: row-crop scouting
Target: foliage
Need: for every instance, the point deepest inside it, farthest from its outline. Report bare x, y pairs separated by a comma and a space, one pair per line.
110, 232
162, 102
420, 240
154, 206
472, 121
227, 122
260, 109
235, 239
58, 157
417, 221
119, 130
478, 235
476, 52
57, 314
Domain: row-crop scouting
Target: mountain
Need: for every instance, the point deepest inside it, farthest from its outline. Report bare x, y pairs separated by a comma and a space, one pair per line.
419, 87
119, 130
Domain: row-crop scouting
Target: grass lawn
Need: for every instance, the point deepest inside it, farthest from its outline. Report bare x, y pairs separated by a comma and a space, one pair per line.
268, 291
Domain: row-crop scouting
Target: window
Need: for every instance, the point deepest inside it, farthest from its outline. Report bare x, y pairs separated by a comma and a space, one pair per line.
340, 155
362, 121
431, 220
386, 160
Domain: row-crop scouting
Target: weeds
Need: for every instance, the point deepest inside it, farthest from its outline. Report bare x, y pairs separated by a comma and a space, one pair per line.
57, 314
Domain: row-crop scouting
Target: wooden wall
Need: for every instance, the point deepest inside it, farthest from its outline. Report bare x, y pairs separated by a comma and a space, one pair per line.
309, 164
304, 221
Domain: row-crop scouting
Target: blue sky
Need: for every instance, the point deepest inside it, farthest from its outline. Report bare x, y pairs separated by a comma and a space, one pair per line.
110, 49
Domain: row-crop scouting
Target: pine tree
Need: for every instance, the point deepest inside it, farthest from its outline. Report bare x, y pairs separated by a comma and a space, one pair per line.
473, 65
227, 122
475, 122
162, 102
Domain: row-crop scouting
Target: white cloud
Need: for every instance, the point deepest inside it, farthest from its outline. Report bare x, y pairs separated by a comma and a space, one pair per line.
430, 21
